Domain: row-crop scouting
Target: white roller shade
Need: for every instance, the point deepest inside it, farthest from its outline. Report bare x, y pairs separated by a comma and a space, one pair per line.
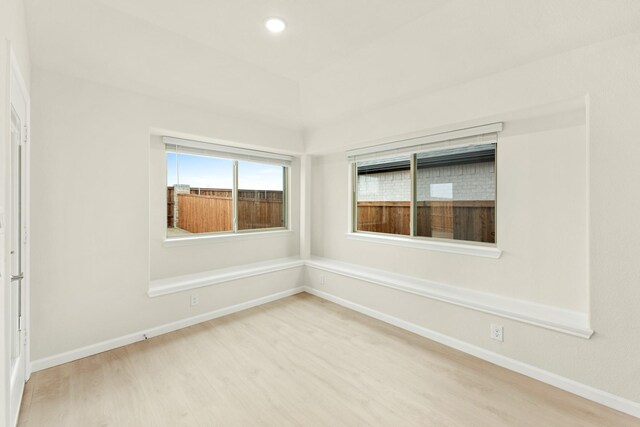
486, 134
198, 148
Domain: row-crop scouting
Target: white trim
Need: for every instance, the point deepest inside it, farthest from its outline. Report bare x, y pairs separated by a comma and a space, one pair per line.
415, 143
228, 150
545, 316
305, 206
21, 98
16, 400
224, 237
16, 78
557, 319
214, 277
170, 133
427, 243
103, 346
352, 176
587, 176
605, 398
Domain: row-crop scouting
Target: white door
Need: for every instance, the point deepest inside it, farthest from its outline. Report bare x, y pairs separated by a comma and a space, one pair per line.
16, 234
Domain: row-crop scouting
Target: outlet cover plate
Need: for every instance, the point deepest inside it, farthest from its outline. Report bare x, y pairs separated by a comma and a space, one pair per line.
497, 332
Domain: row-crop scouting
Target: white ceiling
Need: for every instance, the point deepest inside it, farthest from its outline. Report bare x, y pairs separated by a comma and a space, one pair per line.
319, 32
336, 57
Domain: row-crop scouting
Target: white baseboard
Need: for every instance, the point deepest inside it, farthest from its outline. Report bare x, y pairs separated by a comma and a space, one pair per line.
90, 350
545, 316
588, 392
582, 390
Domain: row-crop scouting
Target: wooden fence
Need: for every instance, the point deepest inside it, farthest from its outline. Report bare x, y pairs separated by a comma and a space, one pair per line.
204, 214
384, 217
170, 207
260, 209
209, 210
471, 220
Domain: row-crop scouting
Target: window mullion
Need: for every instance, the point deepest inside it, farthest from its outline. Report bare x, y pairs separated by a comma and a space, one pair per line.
285, 197
234, 196
354, 197
412, 203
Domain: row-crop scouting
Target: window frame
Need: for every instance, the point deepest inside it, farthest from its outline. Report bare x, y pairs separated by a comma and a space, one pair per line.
236, 155
413, 147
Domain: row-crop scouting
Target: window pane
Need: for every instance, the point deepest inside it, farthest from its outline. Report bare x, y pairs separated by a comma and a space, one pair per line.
456, 193
260, 196
199, 191
384, 196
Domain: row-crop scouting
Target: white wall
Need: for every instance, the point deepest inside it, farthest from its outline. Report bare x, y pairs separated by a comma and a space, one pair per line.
12, 33
93, 248
570, 241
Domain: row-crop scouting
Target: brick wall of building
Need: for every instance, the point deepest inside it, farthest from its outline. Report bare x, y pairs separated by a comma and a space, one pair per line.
474, 181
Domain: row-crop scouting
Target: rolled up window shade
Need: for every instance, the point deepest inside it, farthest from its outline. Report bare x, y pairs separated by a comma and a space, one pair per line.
478, 135
198, 148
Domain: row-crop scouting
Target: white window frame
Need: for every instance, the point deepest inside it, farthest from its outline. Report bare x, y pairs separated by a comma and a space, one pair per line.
475, 135
235, 154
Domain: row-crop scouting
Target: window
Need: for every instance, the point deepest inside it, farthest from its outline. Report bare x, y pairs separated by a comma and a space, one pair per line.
260, 196
445, 189
217, 189
456, 193
384, 196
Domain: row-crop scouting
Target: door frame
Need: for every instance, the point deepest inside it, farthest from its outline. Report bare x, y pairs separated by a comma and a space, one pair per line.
17, 84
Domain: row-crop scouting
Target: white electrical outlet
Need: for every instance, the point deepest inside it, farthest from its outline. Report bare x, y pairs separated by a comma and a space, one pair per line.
194, 300
497, 332
322, 280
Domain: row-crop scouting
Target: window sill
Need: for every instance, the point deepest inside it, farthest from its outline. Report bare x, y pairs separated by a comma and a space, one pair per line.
220, 238
172, 285
433, 245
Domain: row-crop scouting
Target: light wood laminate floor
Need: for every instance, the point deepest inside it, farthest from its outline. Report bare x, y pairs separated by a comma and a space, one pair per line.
300, 361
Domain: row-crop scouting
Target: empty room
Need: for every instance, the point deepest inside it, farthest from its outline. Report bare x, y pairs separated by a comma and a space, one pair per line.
320, 213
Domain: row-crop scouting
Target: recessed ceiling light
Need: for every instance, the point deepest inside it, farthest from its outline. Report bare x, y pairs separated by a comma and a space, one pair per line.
275, 25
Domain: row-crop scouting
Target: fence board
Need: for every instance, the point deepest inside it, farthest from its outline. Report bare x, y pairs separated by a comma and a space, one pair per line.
210, 210
254, 212
475, 222
204, 214
471, 220
170, 204
384, 217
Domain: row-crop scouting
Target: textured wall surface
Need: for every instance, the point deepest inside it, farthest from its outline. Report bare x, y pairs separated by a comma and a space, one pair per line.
475, 181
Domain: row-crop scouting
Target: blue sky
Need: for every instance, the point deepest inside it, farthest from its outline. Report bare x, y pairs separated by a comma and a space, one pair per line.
210, 172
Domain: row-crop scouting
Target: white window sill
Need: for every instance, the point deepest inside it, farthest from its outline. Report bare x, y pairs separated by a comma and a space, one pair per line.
227, 237
428, 244
172, 285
